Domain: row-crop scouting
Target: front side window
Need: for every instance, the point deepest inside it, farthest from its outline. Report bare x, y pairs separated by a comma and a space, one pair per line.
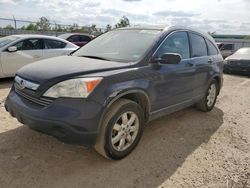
53, 44
175, 43
122, 45
199, 47
30, 44
211, 48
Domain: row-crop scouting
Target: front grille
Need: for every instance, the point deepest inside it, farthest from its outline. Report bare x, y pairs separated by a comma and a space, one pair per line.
40, 101
243, 63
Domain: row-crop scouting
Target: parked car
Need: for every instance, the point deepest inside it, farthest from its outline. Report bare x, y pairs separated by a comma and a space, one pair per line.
104, 93
19, 50
226, 49
239, 62
78, 39
229, 46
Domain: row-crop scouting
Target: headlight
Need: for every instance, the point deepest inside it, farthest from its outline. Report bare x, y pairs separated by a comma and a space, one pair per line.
73, 88
225, 61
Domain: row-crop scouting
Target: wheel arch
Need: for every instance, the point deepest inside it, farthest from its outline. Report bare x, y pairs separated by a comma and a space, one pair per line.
138, 96
218, 80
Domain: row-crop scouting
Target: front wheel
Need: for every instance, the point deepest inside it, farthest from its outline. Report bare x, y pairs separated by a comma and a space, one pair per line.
209, 100
121, 130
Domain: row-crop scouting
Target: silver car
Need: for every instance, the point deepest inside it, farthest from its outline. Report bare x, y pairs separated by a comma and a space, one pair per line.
19, 50
239, 62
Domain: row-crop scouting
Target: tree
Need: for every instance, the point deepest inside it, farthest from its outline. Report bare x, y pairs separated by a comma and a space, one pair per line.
9, 27
108, 28
93, 28
43, 24
247, 37
73, 28
85, 29
59, 28
124, 22
31, 27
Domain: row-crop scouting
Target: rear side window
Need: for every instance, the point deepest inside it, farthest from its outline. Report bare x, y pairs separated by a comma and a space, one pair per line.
199, 47
53, 44
84, 38
175, 43
211, 48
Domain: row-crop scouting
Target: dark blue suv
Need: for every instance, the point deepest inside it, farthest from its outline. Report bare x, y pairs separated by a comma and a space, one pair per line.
103, 94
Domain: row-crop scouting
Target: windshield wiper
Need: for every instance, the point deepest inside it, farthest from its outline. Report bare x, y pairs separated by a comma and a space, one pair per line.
95, 57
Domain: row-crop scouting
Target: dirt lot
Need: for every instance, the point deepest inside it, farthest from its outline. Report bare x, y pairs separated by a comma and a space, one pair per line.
186, 149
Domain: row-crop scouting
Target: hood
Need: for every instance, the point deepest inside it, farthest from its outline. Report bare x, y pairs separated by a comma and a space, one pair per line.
239, 57
66, 66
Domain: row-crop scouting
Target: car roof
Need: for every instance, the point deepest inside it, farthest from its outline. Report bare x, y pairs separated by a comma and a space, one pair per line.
37, 36
28, 36
164, 28
66, 35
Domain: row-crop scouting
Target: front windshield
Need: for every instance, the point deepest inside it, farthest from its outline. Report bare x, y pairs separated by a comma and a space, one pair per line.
6, 40
120, 45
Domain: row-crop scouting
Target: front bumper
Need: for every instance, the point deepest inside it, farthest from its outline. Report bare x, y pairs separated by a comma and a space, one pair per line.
236, 69
73, 121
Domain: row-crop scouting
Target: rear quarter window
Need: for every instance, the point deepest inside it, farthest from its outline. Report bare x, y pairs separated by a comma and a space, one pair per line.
212, 50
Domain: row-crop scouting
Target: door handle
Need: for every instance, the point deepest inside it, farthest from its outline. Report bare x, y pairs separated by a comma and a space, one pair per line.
210, 61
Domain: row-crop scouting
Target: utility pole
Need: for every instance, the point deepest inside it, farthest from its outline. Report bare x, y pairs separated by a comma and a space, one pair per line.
14, 21
55, 27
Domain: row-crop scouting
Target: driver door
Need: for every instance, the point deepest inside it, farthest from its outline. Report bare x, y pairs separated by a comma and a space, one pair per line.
28, 51
173, 84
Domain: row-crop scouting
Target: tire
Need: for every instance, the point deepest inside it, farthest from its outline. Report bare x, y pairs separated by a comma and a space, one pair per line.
115, 127
206, 104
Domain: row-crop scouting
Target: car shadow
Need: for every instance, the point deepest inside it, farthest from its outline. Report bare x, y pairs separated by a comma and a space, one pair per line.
29, 158
5, 83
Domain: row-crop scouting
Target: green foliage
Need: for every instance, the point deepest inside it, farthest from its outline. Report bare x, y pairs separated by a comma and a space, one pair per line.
9, 27
247, 37
31, 27
108, 28
43, 24
124, 22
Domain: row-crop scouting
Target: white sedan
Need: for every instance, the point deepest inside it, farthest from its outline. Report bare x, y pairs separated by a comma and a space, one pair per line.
19, 50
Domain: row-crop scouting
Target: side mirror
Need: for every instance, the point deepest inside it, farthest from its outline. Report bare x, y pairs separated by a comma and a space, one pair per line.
12, 49
169, 58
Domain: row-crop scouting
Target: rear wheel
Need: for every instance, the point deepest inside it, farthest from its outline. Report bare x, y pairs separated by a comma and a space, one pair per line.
121, 130
209, 100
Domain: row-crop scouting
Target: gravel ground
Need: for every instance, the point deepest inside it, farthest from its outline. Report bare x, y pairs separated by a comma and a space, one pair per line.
186, 149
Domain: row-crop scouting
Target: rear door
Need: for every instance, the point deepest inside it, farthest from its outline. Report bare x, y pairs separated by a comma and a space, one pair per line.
53, 48
173, 83
28, 51
201, 61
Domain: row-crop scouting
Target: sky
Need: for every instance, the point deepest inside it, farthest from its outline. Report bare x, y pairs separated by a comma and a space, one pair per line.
220, 16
